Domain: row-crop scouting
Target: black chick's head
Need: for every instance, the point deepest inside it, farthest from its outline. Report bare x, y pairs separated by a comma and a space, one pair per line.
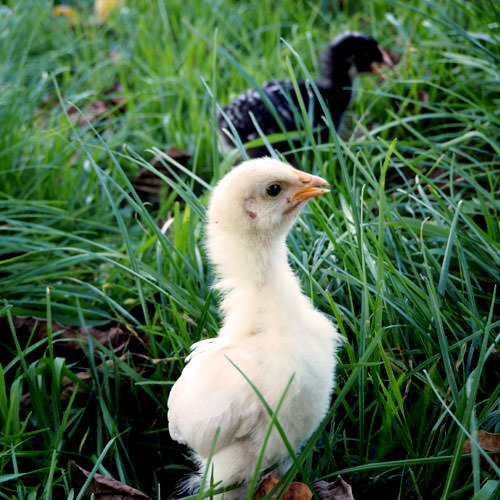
353, 50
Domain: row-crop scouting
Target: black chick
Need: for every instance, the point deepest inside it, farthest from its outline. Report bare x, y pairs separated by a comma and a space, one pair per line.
347, 55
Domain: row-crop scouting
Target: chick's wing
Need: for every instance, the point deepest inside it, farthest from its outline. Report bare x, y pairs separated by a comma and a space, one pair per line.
212, 394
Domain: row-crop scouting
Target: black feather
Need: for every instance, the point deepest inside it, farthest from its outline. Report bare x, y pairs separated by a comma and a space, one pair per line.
348, 51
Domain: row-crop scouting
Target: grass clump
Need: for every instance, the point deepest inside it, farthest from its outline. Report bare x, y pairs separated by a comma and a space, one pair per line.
404, 254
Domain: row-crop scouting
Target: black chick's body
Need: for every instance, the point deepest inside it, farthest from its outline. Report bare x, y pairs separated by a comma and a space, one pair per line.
346, 56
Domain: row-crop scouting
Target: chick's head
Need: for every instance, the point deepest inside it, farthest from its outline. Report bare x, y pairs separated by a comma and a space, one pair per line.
360, 52
261, 198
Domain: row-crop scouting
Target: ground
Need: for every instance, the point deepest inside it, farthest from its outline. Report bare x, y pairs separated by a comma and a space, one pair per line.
403, 254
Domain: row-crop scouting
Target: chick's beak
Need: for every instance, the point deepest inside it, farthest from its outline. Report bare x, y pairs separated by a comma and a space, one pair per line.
386, 61
307, 186
386, 58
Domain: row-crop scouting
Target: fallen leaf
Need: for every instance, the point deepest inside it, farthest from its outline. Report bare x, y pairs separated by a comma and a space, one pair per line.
103, 8
147, 182
103, 487
296, 490
338, 490
265, 486
114, 95
438, 173
117, 337
423, 96
177, 154
488, 441
65, 11
111, 100
69, 385
84, 118
129, 345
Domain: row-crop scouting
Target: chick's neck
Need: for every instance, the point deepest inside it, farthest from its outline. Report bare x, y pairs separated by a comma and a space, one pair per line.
336, 79
257, 283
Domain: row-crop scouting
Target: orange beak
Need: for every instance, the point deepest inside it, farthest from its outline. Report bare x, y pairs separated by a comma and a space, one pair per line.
308, 186
386, 61
386, 58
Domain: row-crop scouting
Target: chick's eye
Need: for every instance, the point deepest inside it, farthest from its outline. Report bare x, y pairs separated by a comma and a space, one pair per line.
273, 190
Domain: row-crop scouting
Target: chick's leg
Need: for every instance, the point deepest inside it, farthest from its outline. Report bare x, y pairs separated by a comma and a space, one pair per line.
231, 466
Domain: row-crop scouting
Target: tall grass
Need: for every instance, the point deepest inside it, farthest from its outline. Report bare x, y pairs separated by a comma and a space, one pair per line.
403, 254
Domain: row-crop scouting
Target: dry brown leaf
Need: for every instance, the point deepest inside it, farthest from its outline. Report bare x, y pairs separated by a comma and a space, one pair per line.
296, 490
65, 11
103, 8
114, 94
265, 486
148, 182
423, 96
84, 118
338, 490
70, 338
69, 386
112, 101
177, 154
104, 487
438, 172
487, 440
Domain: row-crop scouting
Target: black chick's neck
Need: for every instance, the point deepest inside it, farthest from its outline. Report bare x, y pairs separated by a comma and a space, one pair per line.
336, 69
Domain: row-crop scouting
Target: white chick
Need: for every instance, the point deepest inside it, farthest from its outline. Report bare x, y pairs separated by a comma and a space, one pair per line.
270, 331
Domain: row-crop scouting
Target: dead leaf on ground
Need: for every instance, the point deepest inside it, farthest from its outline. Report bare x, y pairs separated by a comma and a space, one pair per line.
439, 173
69, 385
265, 486
147, 182
112, 100
114, 94
296, 490
423, 96
338, 490
488, 441
84, 117
69, 339
65, 11
104, 8
177, 154
103, 487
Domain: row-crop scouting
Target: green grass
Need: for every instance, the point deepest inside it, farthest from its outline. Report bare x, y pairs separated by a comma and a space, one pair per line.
404, 253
